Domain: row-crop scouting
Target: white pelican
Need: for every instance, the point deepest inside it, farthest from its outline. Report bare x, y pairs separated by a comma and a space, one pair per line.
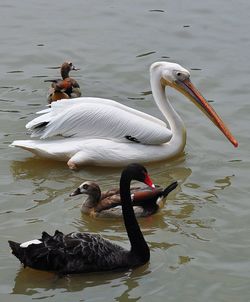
95, 131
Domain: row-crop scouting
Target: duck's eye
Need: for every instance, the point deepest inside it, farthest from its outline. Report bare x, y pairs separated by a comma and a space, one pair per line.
85, 187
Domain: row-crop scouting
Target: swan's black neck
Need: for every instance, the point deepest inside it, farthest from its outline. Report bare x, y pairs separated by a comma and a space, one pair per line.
139, 247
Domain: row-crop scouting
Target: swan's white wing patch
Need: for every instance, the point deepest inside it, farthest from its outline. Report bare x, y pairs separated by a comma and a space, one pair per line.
27, 243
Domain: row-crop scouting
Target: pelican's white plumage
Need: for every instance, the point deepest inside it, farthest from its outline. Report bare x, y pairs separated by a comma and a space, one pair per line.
96, 117
103, 132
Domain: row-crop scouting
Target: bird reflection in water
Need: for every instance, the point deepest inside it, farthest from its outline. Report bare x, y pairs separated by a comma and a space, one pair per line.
38, 283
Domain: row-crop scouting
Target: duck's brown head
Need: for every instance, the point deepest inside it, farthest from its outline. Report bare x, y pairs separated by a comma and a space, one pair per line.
66, 68
91, 189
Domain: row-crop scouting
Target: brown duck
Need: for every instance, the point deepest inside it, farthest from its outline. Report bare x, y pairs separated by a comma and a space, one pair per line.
65, 88
108, 204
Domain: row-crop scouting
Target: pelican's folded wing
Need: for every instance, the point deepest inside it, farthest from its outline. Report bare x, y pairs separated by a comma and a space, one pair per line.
99, 118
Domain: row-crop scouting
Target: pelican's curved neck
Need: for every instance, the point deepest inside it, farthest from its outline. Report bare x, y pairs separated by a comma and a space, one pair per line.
175, 122
139, 247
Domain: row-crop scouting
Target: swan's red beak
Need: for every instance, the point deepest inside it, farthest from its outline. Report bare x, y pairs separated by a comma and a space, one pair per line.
148, 181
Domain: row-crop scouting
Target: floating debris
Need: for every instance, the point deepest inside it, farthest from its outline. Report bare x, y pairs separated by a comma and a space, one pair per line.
15, 71
157, 10
54, 67
39, 76
136, 98
146, 92
9, 111
7, 101
34, 105
145, 54
235, 161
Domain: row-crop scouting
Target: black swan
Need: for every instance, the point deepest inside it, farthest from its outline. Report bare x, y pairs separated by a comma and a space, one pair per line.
86, 252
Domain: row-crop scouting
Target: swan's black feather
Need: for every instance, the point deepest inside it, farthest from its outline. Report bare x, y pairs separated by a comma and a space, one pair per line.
72, 253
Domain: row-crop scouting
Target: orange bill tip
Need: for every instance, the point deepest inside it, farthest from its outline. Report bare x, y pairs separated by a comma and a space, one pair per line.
197, 97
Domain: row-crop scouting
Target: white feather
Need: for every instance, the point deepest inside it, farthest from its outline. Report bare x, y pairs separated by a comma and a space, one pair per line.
56, 107
91, 117
99, 152
27, 243
117, 212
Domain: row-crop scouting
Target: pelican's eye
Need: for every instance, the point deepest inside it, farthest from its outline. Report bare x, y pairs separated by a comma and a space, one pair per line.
181, 76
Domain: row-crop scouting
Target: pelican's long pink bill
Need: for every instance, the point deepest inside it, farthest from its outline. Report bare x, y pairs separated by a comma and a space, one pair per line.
188, 89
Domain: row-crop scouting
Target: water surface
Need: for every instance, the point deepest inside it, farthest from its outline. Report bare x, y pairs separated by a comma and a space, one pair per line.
200, 240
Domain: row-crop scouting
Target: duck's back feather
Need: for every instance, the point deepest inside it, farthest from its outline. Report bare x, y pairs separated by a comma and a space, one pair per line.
116, 212
145, 202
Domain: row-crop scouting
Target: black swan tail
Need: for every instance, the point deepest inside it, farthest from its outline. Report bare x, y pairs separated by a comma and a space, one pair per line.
17, 250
